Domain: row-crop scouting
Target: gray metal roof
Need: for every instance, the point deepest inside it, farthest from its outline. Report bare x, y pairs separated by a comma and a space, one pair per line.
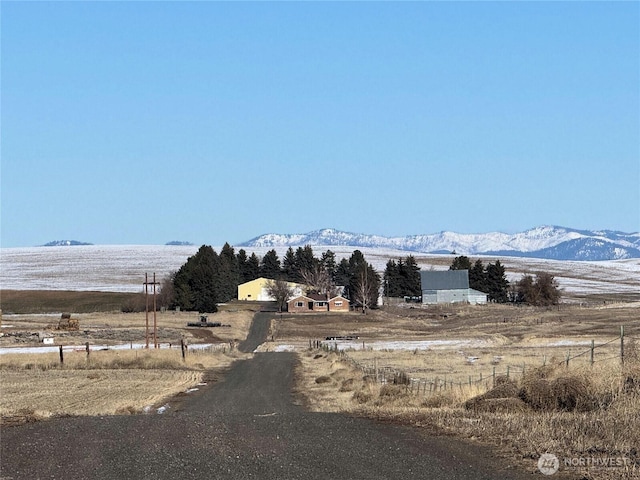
444, 280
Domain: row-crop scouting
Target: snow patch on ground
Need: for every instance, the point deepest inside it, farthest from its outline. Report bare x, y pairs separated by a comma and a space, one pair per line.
566, 343
284, 348
409, 345
82, 348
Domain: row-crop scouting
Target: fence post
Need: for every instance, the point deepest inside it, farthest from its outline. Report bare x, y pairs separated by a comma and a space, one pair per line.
182, 349
592, 349
568, 358
375, 367
61, 355
86, 346
494, 377
622, 344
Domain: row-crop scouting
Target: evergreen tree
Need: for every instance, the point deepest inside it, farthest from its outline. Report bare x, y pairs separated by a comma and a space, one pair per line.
227, 274
477, 277
391, 280
328, 261
242, 261
289, 269
270, 266
342, 277
253, 268
402, 279
497, 283
195, 282
461, 263
413, 282
304, 262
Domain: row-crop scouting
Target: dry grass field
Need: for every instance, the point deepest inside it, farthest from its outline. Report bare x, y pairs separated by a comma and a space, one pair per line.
495, 374
582, 413
110, 380
37, 386
110, 328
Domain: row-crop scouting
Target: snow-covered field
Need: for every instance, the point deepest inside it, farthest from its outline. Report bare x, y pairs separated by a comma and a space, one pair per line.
121, 268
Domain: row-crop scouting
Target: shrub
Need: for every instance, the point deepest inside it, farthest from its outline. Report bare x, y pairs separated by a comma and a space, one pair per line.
347, 385
362, 396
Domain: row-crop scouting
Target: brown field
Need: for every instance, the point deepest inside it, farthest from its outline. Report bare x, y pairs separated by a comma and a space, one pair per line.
116, 328
36, 385
575, 412
583, 410
46, 301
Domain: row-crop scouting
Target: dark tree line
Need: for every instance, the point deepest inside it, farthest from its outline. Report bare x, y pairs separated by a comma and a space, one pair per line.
402, 278
208, 278
539, 291
490, 279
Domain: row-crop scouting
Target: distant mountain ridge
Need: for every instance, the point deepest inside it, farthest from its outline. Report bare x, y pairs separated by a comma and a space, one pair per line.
550, 242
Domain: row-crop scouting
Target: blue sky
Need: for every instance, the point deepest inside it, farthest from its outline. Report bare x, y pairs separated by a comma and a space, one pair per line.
144, 122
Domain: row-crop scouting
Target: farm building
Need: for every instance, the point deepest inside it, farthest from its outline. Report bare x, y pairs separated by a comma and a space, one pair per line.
317, 303
450, 286
256, 290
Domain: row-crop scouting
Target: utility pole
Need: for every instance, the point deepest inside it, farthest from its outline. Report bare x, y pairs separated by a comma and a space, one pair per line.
146, 310
155, 322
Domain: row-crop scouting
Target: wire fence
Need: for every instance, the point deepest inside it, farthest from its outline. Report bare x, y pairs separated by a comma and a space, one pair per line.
420, 385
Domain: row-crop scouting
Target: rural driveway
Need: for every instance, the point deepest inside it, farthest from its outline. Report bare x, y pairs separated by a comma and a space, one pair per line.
246, 426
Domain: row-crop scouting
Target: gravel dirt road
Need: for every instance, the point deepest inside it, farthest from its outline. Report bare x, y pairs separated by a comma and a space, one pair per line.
248, 425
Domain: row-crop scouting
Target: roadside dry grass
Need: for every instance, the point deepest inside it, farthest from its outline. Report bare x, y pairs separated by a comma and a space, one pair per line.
588, 412
37, 386
579, 413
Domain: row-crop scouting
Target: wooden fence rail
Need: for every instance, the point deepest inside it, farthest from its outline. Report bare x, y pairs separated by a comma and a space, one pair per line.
389, 375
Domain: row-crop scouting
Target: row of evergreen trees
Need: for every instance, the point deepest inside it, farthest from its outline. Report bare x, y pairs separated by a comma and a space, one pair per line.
402, 278
490, 279
208, 278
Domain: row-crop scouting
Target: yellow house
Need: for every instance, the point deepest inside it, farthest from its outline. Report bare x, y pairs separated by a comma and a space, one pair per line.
256, 290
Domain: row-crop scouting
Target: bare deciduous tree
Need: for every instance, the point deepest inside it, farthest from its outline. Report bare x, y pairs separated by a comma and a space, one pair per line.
318, 280
281, 291
365, 288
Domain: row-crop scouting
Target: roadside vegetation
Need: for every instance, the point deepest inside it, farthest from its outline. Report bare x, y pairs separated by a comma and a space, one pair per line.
578, 412
38, 386
109, 380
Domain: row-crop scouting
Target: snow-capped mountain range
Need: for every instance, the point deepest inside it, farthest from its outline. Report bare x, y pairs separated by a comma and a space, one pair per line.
550, 242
